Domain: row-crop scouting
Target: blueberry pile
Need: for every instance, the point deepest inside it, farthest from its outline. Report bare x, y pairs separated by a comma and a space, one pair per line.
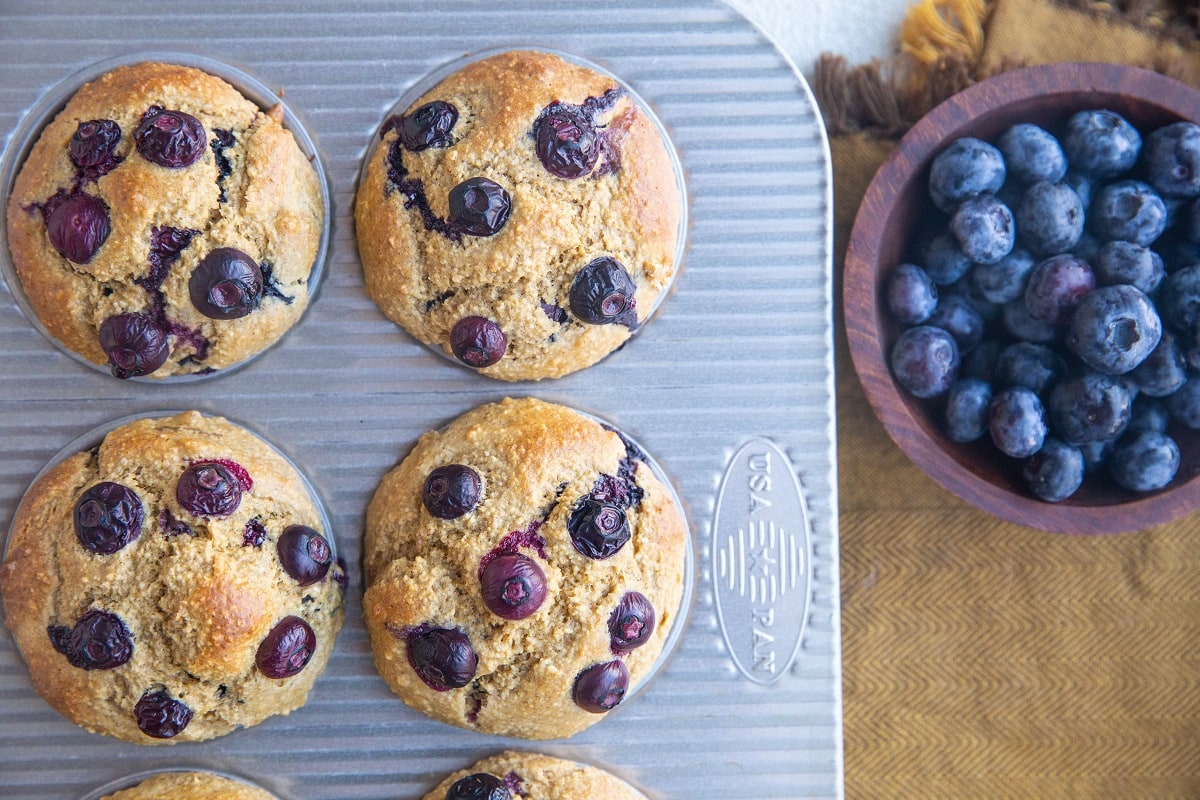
1055, 310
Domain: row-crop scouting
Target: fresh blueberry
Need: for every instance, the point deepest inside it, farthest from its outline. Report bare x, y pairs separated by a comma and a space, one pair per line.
911, 294
1032, 154
1083, 185
1128, 210
1056, 286
1149, 414
1126, 262
984, 228
1089, 406
479, 207
1145, 461
209, 489
108, 516
967, 168
1020, 324
161, 716
429, 126
958, 316
172, 139
1184, 404
1101, 143
442, 657
287, 649
478, 342
135, 344
565, 140
226, 284
479, 786
1164, 370
1017, 421
1005, 280
1029, 364
451, 491
1055, 472
1095, 456
1171, 159
598, 529
925, 361
78, 226
304, 554
99, 640
967, 409
513, 586
602, 293
1114, 328
944, 260
1179, 299
1050, 218
630, 623
601, 687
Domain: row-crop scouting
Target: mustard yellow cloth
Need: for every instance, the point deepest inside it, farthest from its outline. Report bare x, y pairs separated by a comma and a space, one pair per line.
982, 659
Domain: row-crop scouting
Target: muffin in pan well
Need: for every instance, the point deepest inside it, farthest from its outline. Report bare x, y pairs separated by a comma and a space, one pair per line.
523, 216
173, 583
532, 776
163, 224
526, 569
189, 785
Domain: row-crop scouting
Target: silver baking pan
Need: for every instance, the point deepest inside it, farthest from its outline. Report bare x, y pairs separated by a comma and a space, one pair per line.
730, 388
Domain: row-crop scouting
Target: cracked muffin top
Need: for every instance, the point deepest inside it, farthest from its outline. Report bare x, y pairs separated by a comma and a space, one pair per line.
532, 776
522, 216
524, 568
163, 224
173, 583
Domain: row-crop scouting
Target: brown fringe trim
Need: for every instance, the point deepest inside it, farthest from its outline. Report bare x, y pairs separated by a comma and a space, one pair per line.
885, 98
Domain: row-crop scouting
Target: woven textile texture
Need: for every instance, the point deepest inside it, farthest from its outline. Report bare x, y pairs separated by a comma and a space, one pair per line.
982, 659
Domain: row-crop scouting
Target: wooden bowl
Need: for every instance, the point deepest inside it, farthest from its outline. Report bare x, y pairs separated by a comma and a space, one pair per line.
897, 200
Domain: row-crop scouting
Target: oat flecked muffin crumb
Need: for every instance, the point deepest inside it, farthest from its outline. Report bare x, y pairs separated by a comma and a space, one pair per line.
163, 224
531, 776
190, 786
173, 583
524, 568
522, 216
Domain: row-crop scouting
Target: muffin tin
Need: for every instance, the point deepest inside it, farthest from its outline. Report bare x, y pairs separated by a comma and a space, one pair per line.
731, 388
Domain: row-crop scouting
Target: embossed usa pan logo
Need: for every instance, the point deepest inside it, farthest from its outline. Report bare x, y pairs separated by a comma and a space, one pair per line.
760, 558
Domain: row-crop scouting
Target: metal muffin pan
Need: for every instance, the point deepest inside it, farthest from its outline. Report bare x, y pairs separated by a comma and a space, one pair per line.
730, 388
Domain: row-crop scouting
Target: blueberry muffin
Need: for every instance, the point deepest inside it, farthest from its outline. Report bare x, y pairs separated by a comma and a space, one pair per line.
531, 776
163, 224
190, 786
524, 567
522, 215
173, 583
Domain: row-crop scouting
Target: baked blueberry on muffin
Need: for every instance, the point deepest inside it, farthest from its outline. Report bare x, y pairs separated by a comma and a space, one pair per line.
532, 776
163, 224
190, 786
173, 583
524, 567
522, 215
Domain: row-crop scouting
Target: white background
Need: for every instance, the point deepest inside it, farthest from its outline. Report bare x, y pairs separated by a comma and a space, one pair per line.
857, 29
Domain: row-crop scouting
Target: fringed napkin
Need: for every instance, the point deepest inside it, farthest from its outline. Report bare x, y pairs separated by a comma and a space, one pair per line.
982, 659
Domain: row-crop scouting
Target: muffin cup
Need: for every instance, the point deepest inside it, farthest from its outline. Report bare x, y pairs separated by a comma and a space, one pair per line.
432, 79
53, 101
130, 781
